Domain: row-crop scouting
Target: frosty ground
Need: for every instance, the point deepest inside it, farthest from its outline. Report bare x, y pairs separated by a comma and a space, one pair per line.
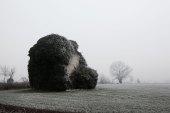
115, 98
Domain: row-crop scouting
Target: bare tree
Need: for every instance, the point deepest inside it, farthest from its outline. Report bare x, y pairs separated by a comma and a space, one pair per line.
11, 75
120, 71
4, 72
138, 81
24, 79
131, 79
103, 79
12, 72
7, 72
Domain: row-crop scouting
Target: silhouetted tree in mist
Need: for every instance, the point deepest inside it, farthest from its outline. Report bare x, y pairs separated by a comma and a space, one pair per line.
10, 80
4, 72
103, 79
138, 81
120, 71
7, 72
24, 79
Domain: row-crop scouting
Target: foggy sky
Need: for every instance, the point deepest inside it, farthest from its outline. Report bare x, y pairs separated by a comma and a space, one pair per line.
134, 31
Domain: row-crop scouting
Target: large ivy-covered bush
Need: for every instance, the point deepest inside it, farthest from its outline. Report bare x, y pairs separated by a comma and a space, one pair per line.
56, 64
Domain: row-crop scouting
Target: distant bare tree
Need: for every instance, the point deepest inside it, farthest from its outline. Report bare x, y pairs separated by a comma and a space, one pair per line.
103, 79
7, 72
4, 72
12, 72
120, 71
11, 75
24, 79
138, 81
131, 79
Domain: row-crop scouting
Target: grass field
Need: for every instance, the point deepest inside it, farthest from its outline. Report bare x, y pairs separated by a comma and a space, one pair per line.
125, 98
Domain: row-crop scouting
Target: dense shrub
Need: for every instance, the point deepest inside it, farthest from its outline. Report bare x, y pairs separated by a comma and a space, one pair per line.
53, 60
84, 78
47, 63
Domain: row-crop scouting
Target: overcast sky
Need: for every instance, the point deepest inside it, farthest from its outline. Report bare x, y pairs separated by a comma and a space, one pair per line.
134, 31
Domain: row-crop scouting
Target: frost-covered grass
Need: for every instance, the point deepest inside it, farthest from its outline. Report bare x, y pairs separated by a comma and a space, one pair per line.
125, 98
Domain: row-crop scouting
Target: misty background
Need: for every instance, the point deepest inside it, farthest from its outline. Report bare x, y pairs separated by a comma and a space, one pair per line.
134, 31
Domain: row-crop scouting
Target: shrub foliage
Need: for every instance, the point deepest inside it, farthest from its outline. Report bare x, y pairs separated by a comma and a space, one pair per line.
49, 59
84, 78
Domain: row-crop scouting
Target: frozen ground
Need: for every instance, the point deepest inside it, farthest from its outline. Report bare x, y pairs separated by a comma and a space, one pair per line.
126, 98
